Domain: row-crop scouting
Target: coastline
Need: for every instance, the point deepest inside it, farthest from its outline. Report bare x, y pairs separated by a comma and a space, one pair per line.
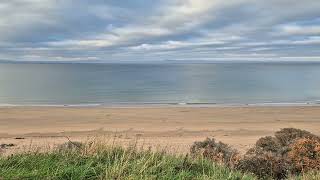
154, 126
170, 104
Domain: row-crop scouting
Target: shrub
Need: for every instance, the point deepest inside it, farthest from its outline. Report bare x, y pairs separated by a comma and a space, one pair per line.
216, 151
287, 136
305, 155
264, 164
269, 143
290, 151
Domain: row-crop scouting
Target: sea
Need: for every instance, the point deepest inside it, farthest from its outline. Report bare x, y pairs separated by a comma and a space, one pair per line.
159, 83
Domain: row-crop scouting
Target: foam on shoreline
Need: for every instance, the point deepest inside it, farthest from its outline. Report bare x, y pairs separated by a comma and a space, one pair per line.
173, 104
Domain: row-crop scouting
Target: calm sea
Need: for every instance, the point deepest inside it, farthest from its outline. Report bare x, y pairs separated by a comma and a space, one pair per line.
221, 83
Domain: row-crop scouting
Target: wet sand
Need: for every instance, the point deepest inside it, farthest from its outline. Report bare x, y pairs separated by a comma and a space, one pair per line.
170, 128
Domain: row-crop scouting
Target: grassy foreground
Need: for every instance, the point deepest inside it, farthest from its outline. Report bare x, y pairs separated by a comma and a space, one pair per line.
111, 163
98, 161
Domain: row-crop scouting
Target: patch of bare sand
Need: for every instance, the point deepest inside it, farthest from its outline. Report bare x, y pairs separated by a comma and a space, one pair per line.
170, 128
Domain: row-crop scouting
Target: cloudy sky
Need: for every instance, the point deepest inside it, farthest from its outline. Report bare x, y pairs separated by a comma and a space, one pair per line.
148, 30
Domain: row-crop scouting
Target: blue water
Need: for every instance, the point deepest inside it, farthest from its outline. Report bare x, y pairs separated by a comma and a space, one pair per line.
221, 83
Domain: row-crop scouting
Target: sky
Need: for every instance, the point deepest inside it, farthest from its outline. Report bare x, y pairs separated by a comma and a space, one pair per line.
147, 30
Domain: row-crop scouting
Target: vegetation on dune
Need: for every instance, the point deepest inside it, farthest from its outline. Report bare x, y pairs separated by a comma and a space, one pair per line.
111, 163
311, 175
287, 136
304, 155
218, 152
291, 152
264, 164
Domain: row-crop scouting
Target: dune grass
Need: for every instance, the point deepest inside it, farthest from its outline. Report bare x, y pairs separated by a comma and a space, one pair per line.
112, 163
313, 175
96, 160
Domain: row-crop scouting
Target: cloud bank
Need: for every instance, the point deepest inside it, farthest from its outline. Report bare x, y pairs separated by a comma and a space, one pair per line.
144, 30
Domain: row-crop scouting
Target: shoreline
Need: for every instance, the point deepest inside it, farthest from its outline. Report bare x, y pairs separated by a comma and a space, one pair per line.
173, 104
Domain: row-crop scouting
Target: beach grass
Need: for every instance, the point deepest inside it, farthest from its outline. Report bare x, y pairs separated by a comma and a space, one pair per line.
313, 175
99, 160
107, 162
112, 163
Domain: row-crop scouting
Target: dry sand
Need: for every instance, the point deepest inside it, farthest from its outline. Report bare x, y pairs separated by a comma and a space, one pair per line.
172, 128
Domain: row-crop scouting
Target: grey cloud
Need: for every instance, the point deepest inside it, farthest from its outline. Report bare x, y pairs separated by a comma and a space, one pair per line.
167, 29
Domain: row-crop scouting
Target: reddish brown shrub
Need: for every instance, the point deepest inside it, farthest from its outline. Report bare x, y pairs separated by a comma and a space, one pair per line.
264, 164
287, 136
269, 143
291, 151
216, 151
288, 152
304, 155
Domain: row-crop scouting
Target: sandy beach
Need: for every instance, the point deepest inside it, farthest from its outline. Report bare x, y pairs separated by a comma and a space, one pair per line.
171, 128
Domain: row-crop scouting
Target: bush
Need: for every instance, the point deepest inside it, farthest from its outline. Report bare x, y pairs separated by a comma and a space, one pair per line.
287, 136
216, 151
264, 164
305, 155
269, 143
265, 159
290, 151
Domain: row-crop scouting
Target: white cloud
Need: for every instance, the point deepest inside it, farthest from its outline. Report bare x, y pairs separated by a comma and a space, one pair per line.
313, 40
300, 30
207, 39
80, 44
